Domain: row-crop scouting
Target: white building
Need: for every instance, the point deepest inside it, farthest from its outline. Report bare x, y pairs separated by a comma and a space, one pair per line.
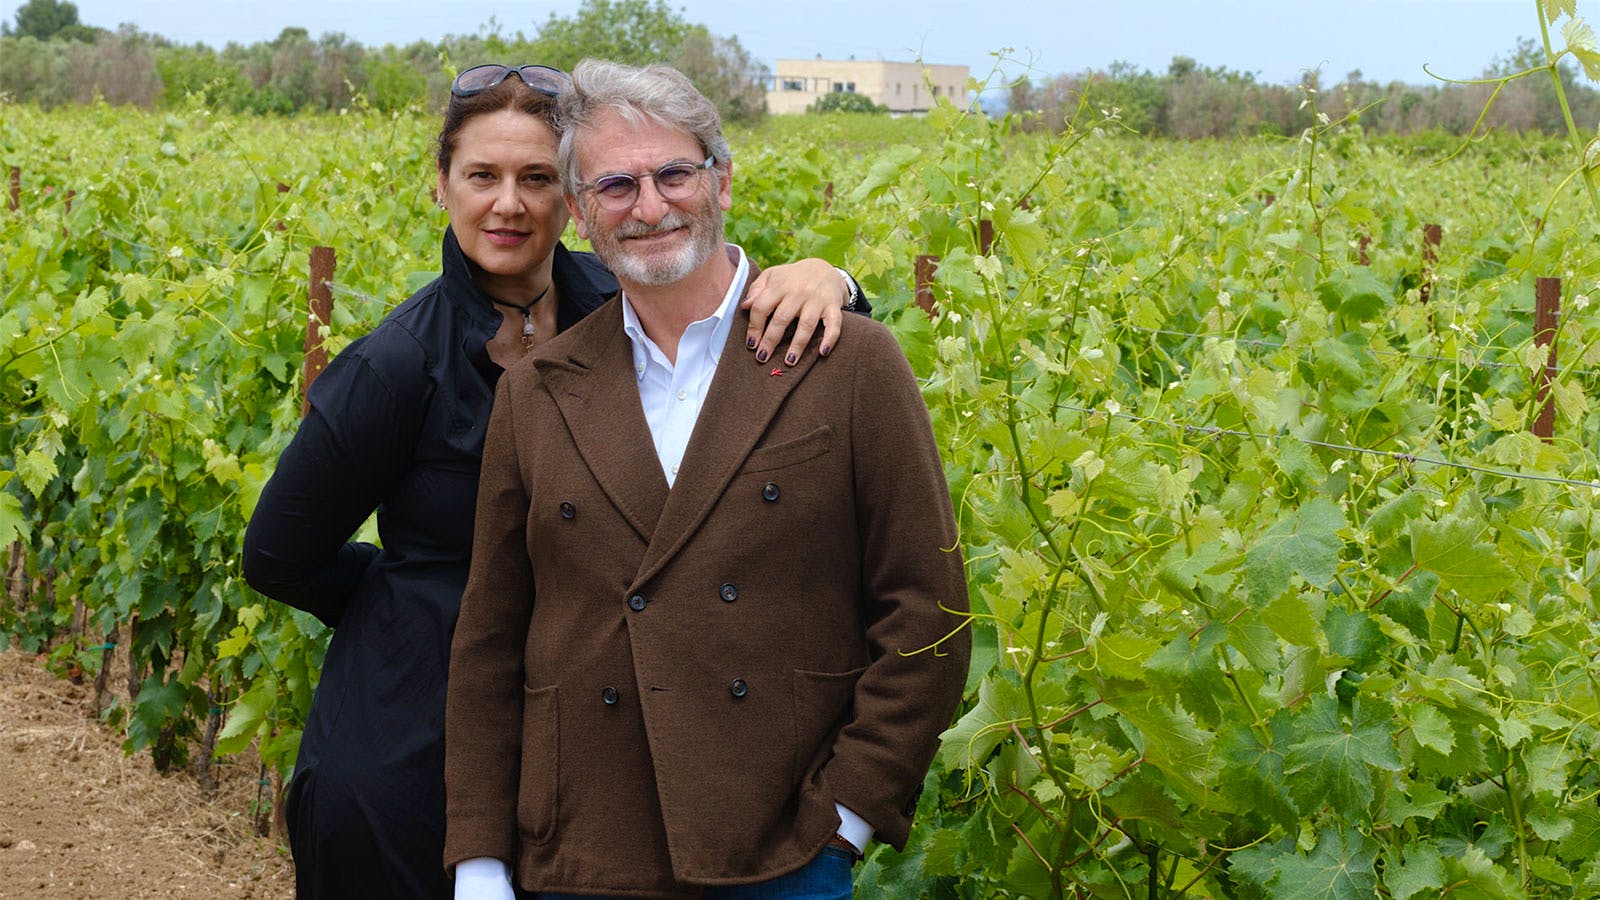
904, 87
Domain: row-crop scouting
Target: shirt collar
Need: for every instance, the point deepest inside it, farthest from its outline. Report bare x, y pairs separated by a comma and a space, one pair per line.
721, 319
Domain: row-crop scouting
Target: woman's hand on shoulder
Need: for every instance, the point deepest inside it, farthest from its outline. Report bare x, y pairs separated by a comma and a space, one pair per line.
807, 293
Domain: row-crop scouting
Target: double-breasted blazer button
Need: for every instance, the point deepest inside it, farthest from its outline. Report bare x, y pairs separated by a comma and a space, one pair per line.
728, 593
636, 602
738, 688
770, 492
609, 695
568, 510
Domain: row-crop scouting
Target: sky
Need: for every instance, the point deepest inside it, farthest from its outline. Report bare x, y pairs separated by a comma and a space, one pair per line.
1387, 40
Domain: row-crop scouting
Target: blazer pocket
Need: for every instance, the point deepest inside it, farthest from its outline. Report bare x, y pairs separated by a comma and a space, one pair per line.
537, 793
823, 703
792, 452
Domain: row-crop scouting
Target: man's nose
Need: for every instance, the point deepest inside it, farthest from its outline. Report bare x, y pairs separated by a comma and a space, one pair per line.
650, 207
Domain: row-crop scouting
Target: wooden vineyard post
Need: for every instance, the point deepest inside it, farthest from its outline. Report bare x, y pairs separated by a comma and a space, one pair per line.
1431, 236
985, 235
16, 189
827, 196
1362, 244
1546, 315
926, 267
321, 313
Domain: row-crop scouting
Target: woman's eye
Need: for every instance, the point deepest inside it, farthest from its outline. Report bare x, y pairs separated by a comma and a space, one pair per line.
538, 179
480, 176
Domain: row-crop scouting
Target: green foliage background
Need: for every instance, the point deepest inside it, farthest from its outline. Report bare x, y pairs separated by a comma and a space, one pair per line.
1274, 593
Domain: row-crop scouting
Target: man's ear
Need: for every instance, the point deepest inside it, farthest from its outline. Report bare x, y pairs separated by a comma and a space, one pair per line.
725, 189
576, 210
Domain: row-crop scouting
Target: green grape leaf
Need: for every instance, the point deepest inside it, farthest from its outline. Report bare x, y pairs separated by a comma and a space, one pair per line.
1474, 874
886, 170
1578, 35
1432, 729
1356, 293
1353, 635
37, 469
1547, 768
1422, 870
1305, 542
233, 644
1333, 758
1290, 619
246, 716
968, 743
1255, 767
1173, 742
1590, 60
1391, 517
942, 853
1420, 800
1450, 548
1555, 9
1583, 842
13, 527
1342, 867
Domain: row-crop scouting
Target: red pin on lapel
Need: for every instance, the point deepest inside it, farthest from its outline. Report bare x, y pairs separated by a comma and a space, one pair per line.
777, 371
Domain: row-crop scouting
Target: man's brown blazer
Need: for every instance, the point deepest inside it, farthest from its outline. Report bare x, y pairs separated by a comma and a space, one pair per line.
652, 690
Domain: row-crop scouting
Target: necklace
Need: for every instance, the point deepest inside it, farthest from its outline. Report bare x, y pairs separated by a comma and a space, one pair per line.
527, 316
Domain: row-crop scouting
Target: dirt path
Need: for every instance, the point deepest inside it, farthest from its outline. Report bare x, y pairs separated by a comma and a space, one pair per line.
80, 820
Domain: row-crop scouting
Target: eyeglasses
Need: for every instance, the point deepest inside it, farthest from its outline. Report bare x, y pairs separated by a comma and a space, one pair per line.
547, 81
674, 181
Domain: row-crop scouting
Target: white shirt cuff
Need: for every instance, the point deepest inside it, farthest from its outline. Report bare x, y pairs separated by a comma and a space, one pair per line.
853, 828
483, 878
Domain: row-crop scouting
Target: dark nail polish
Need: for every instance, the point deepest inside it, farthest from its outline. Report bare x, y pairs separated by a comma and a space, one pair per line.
825, 350
750, 343
761, 356
790, 360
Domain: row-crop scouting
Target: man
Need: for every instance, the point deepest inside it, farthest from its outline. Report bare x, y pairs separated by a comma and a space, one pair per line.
719, 685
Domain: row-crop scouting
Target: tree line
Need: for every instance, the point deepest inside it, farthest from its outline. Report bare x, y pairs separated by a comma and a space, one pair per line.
52, 59
1194, 101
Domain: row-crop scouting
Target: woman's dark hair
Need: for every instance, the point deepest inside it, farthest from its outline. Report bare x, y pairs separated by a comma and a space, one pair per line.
511, 93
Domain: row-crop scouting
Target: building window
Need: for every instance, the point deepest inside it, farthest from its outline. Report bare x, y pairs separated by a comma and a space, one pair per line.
897, 87
838, 87
850, 87
793, 84
936, 90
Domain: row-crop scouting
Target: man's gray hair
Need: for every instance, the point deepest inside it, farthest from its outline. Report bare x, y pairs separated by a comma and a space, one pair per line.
656, 93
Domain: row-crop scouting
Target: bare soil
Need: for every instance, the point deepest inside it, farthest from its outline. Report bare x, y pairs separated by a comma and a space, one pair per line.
79, 819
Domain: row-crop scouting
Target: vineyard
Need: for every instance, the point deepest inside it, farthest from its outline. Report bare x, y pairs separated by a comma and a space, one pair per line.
1277, 464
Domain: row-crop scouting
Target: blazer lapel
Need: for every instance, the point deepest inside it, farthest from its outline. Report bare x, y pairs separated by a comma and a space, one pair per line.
596, 389
741, 402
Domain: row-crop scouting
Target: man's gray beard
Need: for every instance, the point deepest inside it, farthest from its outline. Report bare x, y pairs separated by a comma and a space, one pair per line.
656, 271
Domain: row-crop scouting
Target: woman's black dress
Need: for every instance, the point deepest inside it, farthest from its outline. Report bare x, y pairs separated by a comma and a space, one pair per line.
396, 425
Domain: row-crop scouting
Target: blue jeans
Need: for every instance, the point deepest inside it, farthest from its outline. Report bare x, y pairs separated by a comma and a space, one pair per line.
825, 878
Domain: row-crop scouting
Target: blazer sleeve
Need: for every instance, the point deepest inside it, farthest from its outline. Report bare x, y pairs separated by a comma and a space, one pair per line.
914, 597
483, 709
353, 447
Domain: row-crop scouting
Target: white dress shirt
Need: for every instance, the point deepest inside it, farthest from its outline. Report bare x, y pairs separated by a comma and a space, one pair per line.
672, 393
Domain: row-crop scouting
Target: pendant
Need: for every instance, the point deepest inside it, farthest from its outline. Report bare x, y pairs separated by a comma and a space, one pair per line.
527, 332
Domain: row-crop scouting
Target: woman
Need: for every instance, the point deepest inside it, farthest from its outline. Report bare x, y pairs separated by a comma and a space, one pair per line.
396, 425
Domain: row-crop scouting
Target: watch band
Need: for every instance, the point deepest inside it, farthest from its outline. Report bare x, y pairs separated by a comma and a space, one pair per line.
850, 286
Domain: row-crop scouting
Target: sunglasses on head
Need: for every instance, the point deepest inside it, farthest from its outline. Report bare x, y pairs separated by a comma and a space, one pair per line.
547, 81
